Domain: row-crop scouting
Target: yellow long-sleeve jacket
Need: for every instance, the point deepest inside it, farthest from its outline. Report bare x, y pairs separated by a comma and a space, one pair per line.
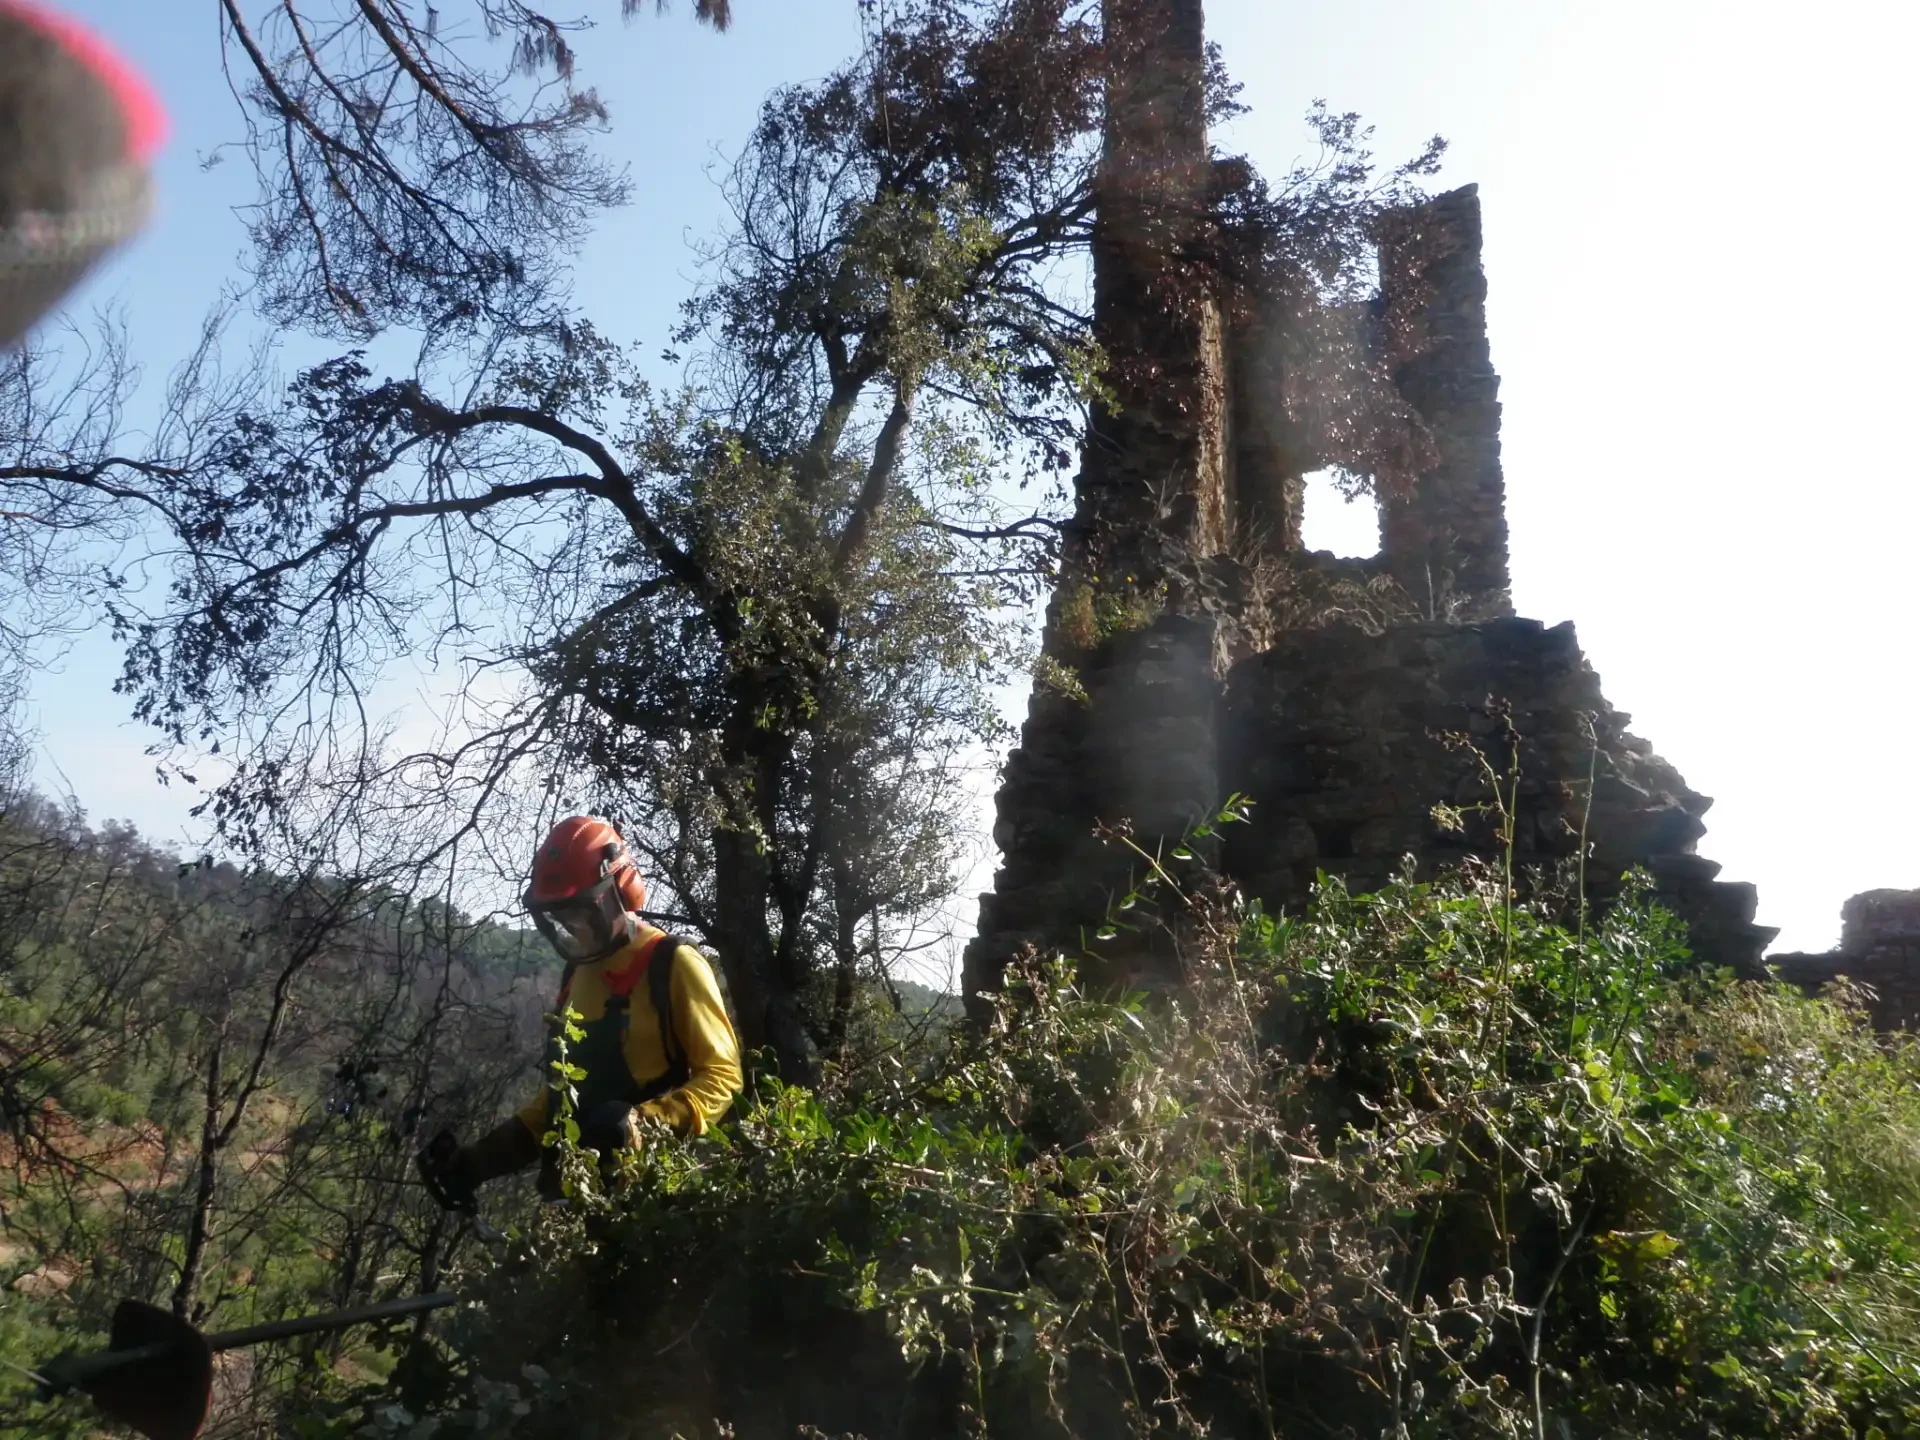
700, 1025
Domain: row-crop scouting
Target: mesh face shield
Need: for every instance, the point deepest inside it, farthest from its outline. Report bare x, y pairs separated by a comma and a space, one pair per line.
590, 925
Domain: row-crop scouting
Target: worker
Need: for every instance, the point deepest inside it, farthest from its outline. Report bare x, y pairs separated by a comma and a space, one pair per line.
657, 1044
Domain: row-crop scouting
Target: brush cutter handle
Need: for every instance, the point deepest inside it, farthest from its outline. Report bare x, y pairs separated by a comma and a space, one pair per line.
79, 1372
156, 1377
332, 1320
69, 1372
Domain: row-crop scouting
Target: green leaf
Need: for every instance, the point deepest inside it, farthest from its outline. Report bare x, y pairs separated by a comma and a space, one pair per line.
1659, 1245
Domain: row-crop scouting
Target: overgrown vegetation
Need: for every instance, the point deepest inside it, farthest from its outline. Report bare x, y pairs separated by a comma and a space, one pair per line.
212, 1082
1436, 1162
1431, 1162
1425, 1163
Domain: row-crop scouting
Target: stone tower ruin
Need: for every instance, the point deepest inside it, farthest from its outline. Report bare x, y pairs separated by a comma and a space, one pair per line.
1195, 649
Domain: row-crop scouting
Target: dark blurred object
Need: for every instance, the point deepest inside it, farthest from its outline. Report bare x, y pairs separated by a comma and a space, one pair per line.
448, 1180
77, 129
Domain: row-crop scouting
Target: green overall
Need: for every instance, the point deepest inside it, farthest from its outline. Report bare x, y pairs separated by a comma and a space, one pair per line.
601, 1053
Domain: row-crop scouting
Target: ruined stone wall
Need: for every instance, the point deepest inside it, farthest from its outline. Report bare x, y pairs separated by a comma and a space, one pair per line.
1443, 529
1152, 485
1215, 655
1445, 538
1879, 948
1140, 748
1143, 618
1337, 736
1146, 746
1268, 453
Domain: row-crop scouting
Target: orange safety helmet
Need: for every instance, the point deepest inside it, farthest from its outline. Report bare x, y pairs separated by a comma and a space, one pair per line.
584, 889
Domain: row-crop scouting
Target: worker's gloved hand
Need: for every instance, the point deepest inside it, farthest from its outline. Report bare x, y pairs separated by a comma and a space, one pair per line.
453, 1172
610, 1127
443, 1174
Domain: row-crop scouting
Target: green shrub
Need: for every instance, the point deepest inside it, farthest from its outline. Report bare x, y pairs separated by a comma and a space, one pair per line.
1421, 1163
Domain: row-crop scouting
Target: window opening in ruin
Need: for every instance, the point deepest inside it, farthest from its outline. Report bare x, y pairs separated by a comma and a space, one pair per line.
1330, 521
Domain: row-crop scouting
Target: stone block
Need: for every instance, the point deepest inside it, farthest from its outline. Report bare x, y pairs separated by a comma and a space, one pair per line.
1879, 949
1879, 915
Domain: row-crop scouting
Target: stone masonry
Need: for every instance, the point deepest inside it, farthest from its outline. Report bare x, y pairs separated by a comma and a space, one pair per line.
1340, 738
1879, 949
1343, 742
1180, 671
1447, 535
1140, 748
1444, 536
1151, 489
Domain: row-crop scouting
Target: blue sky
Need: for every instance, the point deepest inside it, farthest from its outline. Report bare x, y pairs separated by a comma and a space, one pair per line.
1697, 216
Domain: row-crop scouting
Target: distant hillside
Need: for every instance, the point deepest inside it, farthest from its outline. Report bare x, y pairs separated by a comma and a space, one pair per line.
917, 1000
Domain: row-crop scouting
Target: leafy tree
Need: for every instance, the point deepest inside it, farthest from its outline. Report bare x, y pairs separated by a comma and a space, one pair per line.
752, 618
403, 179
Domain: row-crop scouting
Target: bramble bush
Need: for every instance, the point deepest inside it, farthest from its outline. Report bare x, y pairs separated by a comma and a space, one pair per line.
1423, 1163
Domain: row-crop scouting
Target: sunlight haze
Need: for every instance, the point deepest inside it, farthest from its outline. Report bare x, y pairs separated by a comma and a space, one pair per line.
1701, 310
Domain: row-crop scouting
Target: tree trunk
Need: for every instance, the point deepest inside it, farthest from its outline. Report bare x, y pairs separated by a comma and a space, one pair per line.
846, 956
765, 1002
200, 1223
766, 1007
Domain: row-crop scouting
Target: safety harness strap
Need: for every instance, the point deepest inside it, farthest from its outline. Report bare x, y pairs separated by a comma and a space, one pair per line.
658, 970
